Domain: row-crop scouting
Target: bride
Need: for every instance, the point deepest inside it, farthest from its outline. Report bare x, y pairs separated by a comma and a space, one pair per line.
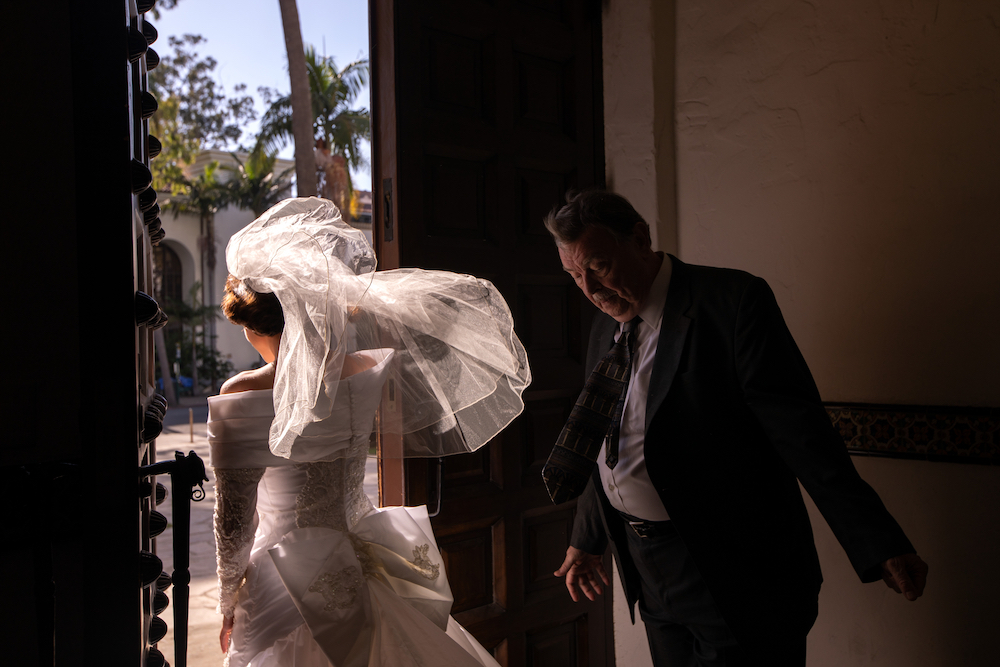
310, 573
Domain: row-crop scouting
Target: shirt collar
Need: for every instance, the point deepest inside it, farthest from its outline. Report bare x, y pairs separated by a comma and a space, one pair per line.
652, 311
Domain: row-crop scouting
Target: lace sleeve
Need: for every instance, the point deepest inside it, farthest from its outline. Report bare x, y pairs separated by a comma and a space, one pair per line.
235, 524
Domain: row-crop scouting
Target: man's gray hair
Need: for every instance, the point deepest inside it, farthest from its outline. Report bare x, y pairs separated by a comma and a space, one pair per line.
592, 208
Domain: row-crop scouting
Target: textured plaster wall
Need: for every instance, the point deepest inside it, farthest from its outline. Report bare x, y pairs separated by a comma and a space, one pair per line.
949, 512
230, 340
848, 153
638, 111
638, 53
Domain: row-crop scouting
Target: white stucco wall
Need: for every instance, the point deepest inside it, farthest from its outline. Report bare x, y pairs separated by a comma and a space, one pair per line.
182, 237
182, 232
848, 153
230, 340
638, 111
949, 511
639, 164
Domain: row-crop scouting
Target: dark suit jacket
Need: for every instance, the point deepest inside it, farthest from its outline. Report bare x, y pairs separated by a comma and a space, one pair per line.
732, 419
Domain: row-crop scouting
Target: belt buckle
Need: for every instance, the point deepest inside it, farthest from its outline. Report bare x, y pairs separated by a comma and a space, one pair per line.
641, 528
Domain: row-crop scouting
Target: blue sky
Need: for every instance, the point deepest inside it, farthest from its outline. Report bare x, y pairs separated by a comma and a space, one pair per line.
247, 41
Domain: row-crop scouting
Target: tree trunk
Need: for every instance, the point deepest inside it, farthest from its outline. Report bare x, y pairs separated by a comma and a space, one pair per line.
302, 119
194, 359
159, 342
208, 323
206, 254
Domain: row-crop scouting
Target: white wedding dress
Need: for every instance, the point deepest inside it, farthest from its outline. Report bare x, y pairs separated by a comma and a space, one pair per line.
313, 573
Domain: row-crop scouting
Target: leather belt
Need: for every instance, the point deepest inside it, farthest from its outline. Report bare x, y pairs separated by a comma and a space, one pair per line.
647, 529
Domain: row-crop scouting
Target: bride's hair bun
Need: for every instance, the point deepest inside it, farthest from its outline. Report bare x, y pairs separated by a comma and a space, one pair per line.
258, 311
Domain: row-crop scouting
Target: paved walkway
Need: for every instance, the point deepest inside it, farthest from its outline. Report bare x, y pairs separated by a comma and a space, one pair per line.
204, 623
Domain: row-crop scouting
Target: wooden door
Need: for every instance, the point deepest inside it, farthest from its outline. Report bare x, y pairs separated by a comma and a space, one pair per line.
78, 377
484, 114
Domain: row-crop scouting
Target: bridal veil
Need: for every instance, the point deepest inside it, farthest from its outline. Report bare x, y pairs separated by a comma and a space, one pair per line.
458, 369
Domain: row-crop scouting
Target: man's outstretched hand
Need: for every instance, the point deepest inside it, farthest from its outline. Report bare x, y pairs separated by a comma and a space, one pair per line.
585, 572
906, 574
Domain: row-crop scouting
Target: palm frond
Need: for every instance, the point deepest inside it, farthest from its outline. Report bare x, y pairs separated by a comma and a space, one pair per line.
333, 92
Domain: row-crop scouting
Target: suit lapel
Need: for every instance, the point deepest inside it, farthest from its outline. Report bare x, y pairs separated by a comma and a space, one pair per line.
673, 332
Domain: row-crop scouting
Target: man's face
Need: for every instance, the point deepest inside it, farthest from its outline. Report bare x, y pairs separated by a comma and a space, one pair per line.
613, 274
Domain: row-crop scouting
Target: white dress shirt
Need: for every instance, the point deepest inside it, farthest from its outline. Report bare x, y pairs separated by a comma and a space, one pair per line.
628, 486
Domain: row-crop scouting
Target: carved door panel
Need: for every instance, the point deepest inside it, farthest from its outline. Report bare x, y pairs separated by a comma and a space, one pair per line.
484, 114
80, 407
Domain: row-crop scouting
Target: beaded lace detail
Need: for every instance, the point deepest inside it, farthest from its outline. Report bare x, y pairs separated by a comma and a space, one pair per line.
339, 589
235, 521
333, 495
423, 564
321, 500
357, 502
367, 558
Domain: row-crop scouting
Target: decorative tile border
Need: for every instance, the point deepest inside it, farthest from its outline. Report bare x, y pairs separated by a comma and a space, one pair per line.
959, 435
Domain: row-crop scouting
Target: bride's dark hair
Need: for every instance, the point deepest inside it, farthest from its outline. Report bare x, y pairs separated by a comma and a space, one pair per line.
258, 311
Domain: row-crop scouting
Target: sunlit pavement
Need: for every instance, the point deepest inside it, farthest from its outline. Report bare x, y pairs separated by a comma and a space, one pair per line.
204, 623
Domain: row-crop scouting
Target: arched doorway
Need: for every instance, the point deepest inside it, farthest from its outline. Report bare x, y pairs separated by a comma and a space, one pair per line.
167, 275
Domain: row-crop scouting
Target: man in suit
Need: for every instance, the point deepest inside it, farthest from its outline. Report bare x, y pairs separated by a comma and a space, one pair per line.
721, 417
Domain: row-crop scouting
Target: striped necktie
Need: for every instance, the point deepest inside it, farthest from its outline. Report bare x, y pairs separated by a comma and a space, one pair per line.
596, 416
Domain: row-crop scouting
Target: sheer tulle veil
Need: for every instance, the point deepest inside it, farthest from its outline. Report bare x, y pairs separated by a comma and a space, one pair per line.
456, 368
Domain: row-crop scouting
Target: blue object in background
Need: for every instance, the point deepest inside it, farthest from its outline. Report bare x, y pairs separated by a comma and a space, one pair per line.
185, 383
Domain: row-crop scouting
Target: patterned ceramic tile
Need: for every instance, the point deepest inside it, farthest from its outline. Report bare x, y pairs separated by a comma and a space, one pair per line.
963, 435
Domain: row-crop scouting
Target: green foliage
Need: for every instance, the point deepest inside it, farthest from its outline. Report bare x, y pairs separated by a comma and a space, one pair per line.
162, 5
202, 196
211, 363
335, 122
190, 312
255, 185
194, 112
184, 317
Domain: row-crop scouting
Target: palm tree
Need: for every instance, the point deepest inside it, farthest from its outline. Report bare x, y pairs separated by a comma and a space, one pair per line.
203, 196
334, 91
302, 120
255, 185
338, 129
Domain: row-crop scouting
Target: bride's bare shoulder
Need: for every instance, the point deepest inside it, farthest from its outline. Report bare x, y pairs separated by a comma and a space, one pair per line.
257, 378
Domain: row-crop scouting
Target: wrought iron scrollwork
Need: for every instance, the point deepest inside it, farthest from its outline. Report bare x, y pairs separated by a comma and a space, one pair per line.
187, 481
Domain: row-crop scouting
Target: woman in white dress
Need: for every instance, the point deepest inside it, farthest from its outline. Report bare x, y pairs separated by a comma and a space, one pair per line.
310, 573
